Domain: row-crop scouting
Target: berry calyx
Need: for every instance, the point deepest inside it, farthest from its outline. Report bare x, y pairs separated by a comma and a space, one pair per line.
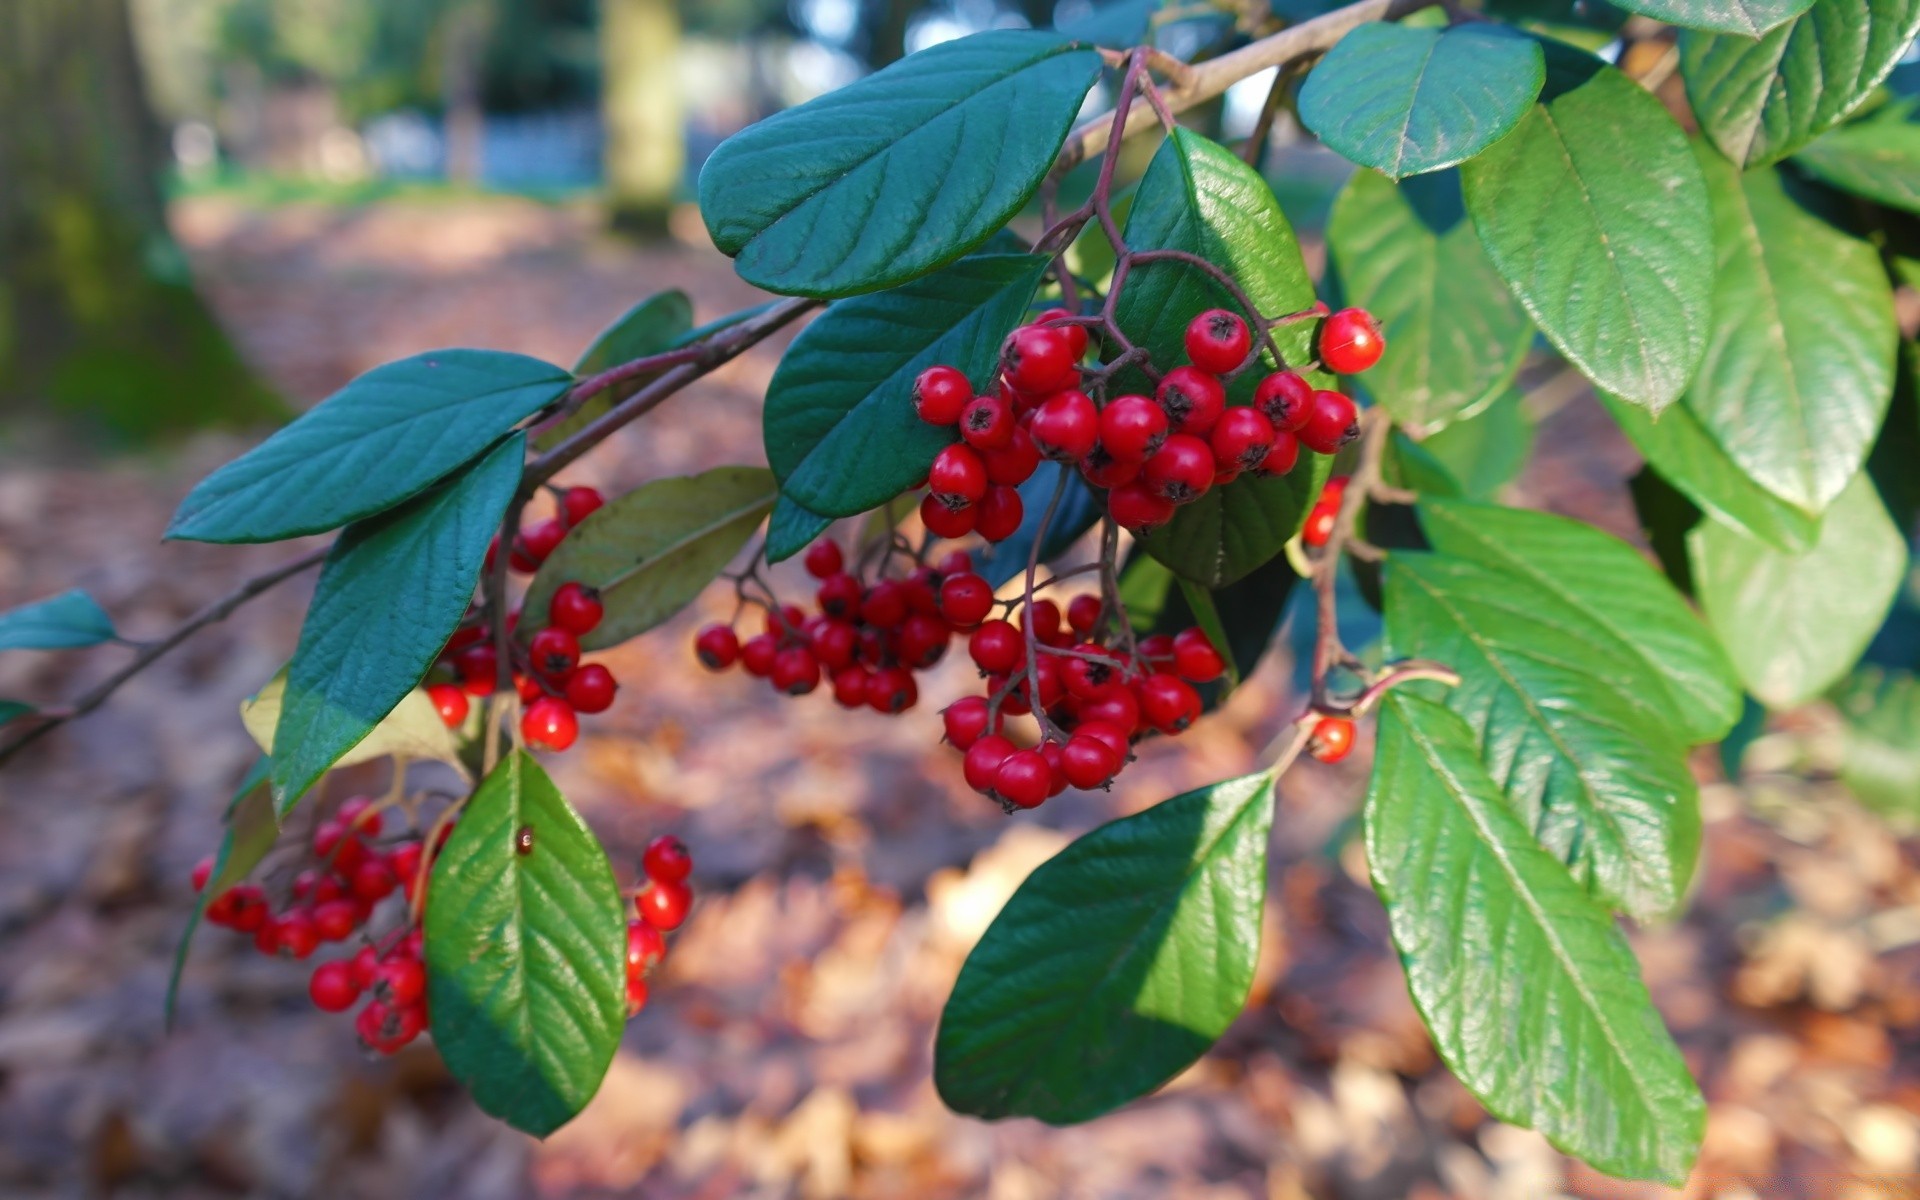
1192, 399
1332, 739
717, 646
958, 477
1181, 471
1218, 341
549, 723
1350, 341
987, 423
554, 652
940, 395
1242, 440
944, 522
1285, 399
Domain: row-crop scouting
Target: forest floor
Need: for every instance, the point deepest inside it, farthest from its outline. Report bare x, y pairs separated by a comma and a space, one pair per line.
843, 868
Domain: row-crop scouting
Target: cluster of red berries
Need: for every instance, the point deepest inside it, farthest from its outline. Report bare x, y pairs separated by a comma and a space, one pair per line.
1317, 530
1150, 454
662, 902
551, 680
331, 902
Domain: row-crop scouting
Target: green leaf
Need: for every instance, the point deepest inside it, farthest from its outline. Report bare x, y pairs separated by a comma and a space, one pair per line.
841, 432
1799, 365
252, 828
1532, 995
1488, 451
1613, 587
1455, 334
1241, 619
526, 952
412, 730
900, 173
659, 323
1117, 963
389, 597
792, 528
1686, 456
1762, 99
1794, 624
651, 551
1404, 100
1880, 747
1199, 197
1877, 159
1574, 730
387, 436
64, 622
1594, 212
1747, 18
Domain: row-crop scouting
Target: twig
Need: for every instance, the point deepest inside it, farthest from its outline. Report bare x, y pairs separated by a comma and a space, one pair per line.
1328, 650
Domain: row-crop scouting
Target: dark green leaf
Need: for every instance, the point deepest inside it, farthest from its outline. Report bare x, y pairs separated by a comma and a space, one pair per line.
526, 952
64, 622
1880, 749
389, 596
1594, 212
252, 828
792, 528
387, 436
1877, 159
1588, 24
1799, 364
1116, 964
1248, 612
1404, 100
656, 324
1666, 516
1455, 334
997, 562
1613, 587
1573, 729
651, 551
900, 173
13, 710
1748, 18
1794, 624
1114, 23
1409, 464
1531, 993
841, 432
1487, 452
1762, 99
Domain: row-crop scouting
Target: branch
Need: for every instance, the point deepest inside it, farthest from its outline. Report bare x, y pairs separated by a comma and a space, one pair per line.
219, 610
1328, 650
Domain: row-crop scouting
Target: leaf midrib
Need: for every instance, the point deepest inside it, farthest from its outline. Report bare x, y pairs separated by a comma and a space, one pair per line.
690, 538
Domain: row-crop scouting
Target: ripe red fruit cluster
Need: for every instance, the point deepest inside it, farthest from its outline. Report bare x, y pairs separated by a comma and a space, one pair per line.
662, 902
1150, 453
1317, 530
866, 640
1100, 696
331, 902
1332, 739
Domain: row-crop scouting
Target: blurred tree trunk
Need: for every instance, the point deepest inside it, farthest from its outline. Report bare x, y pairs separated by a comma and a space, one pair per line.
646, 152
98, 316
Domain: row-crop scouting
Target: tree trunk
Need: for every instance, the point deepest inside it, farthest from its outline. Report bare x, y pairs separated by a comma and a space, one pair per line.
646, 152
98, 316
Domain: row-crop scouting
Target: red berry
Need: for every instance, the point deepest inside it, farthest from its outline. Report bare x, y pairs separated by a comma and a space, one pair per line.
1157, 647
536, 542
944, 522
1102, 470
1088, 762
1014, 463
1285, 398
637, 993
400, 980
1332, 739
1117, 707
958, 477
1066, 426
554, 652
1218, 341
987, 423
479, 668
839, 595
1013, 695
983, 761
796, 671
1044, 616
939, 396
294, 934
1089, 677
373, 880
1242, 440
965, 721
997, 647
1076, 334
892, 690
529, 687
1168, 704
450, 701
965, 599
1132, 428
1024, 778
579, 503
1111, 736
1136, 507
786, 622
664, 905
202, 871
999, 514
850, 687
338, 847
923, 641
576, 608
645, 948
885, 606
549, 723
1084, 612
1318, 530
591, 689
823, 560
1284, 455
1194, 657
1192, 399
834, 643
1333, 423
335, 920
757, 654
718, 646
667, 858
1180, 471
1040, 360
1350, 341
332, 988
404, 860
955, 562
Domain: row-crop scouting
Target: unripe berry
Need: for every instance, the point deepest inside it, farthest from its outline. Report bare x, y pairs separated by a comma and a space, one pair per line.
1024, 779
1087, 762
1218, 341
1242, 440
987, 423
823, 560
1332, 739
983, 761
1040, 360
958, 477
450, 701
999, 513
549, 723
1014, 463
891, 690
717, 646
944, 522
591, 688
1138, 508
965, 599
1285, 399
1132, 428
579, 503
664, 905
667, 858
1350, 341
1192, 399
795, 671
965, 721
940, 394
1066, 426
554, 652
1168, 704
1180, 471
1333, 422
997, 647
332, 988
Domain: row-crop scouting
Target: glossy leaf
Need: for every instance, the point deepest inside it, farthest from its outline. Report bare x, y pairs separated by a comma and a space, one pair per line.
1794, 624
412, 730
841, 432
1573, 727
1455, 334
526, 952
1531, 993
1880, 746
1611, 585
387, 436
1799, 364
1405, 100
65, 622
1486, 452
658, 323
1115, 965
362, 649
792, 528
1763, 99
253, 826
651, 551
1079, 508
1594, 212
1687, 456
1747, 18
1878, 159
899, 173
